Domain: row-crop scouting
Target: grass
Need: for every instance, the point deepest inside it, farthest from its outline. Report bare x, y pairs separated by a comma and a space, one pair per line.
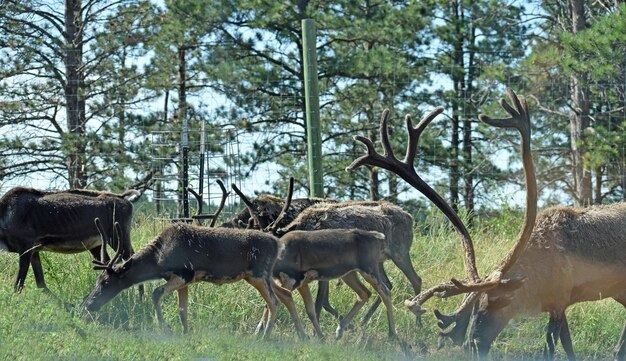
34, 326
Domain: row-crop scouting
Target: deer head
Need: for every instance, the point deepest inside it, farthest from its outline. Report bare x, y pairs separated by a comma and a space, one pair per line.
258, 219
111, 280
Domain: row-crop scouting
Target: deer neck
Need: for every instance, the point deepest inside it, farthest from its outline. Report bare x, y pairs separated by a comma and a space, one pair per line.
143, 267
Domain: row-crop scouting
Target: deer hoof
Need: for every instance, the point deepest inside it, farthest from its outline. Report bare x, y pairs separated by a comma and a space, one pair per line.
339, 332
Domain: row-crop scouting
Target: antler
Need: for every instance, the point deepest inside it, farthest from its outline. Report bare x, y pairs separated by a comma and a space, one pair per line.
249, 205
215, 215
225, 194
274, 226
406, 170
520, 120
100, 264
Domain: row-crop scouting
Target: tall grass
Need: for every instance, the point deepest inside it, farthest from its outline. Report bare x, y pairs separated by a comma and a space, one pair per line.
34, 325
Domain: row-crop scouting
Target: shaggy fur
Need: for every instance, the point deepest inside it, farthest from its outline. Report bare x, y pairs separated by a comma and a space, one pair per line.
594, 233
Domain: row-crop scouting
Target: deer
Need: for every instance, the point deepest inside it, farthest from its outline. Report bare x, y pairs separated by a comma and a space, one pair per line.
32, 221
562, 255
326, 254
267, 207
380, 216
183, 254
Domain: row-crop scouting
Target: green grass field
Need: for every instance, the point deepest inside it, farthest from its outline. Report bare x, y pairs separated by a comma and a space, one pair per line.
34, 326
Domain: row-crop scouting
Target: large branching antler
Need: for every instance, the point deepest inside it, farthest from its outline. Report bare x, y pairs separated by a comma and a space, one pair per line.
520, 120
406, 170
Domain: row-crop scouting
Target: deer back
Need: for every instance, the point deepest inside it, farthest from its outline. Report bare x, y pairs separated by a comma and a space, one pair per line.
60, 221
268, 207
387, 218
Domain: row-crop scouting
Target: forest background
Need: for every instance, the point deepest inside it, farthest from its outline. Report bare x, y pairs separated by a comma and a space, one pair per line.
94, 94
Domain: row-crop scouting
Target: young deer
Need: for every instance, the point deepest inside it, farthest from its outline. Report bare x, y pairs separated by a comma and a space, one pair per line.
562, 256
379, 216
32, 221
183, 254
326, 254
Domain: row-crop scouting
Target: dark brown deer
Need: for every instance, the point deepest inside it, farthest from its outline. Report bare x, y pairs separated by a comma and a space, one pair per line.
32, 221
379, 216
183, 254
561, 257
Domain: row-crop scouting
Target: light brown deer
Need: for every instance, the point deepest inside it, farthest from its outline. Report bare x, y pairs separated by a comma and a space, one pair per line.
380, 216
572, 255
326, 254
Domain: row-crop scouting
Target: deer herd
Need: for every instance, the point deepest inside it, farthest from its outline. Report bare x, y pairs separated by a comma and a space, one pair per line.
562, 255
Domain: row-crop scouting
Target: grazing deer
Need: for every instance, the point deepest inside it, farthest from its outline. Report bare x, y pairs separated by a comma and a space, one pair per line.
32, 221
380, 216
330, 254
183, 254
562, 256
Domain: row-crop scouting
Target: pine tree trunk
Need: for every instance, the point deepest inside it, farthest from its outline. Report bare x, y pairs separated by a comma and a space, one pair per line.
183, 200
597, 197
373, 181
579, 118
74, 88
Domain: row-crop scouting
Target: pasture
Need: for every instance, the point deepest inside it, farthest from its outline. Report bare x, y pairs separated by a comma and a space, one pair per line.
222, 319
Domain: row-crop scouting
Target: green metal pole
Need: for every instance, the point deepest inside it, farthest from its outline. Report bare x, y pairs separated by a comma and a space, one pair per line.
311, 95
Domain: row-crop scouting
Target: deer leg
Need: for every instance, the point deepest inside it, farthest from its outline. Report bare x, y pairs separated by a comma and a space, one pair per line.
377, 300
566, 339
305, 292
265, 288
24, 263
363, 294
35, 262
620, 349
552, 337
286, 298
404, 264
263, 321
376, 280
175, 282
183, 303
322, 300
558, 328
